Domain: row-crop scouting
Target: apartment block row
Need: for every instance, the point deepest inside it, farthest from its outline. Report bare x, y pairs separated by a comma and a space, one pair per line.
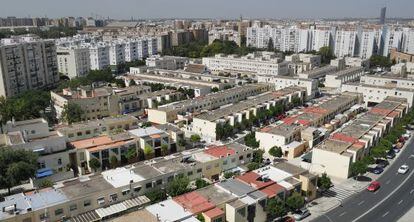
240, 199
344, 41
265, 63
200, 83
110, 191
102, 102
77, 57
27, 62
206, 123
298, 132
171, 112
354, 140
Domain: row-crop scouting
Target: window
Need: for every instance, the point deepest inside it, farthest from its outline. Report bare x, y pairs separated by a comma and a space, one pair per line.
58, 212
101, 201
148, 185
59, 161
241, 157
73, 207
242, 211
43, 216
125, 192
190, 173
159, 182
88, 132
113, 197
71, 135
249, 155
218, 220
79, 133
199, 170
137, 189
86, 203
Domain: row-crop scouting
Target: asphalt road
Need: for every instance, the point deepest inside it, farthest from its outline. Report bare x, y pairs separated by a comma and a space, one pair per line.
388, 204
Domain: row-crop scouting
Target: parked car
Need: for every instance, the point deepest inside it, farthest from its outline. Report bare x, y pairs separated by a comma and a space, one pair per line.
396, 150
391, 154
382, 163
377, 170
403, 169
373, 186
301, 214
284, 219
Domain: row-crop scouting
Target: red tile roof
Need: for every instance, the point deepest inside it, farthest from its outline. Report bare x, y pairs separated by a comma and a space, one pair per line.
290, 120
315, 109
394, 114
194, 202
380, 111
253, 179
213, 213
219, 151
343, 137
272, 190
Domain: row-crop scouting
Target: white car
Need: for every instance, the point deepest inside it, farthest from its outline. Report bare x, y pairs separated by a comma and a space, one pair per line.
403, 169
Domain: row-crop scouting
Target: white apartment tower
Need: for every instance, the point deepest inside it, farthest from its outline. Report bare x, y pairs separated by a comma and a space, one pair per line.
131, 50
73, 61
27, 62
116, 53
367, 44
99, 56
345, 43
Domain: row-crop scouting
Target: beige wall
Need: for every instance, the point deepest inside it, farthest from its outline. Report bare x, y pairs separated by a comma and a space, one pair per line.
335, 165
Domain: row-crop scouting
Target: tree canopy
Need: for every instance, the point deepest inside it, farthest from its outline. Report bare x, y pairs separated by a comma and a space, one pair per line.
324, 182
178, 186
275, 208
71, 113
380, 61
295, 201
95, 164
276, 151
16, 165
28, 105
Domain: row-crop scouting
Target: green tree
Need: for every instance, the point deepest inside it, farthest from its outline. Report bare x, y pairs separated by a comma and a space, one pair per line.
358, 168
200, 217
164, 149
195, 138
380, 61
228, 175
295, 201
258, 156
276, 151
275, 208
16, 165
94, 164
131, 154
324, 182
178, 186
200, 183
113, 161
45, 183
253, 166
72, 113
156, 195
214, 89
326, 54
270, 46
148, 151
250, 140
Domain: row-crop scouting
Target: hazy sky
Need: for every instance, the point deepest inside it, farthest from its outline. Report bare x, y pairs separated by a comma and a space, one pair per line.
207, 8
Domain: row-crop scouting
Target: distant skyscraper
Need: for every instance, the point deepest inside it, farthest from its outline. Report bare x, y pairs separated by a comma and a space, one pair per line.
382, 18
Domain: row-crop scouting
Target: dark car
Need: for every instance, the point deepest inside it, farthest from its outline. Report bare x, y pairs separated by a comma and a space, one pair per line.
377, 170
382, 163
391, 154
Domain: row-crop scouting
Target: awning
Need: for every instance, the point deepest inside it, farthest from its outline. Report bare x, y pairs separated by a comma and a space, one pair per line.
111, 210
38, 150
90, 216
45, 172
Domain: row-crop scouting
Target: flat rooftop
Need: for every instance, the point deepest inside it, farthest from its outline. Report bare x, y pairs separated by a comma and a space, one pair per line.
85, 186
235, 187
121, 176
251, 102
216, 195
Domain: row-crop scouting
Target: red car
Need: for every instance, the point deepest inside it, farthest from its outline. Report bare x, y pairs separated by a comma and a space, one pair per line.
374, 186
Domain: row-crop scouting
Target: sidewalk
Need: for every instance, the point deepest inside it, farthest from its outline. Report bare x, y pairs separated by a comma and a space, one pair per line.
348, 187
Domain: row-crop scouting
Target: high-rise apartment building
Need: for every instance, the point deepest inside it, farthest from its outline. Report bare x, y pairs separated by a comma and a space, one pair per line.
73, 61
27, 62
